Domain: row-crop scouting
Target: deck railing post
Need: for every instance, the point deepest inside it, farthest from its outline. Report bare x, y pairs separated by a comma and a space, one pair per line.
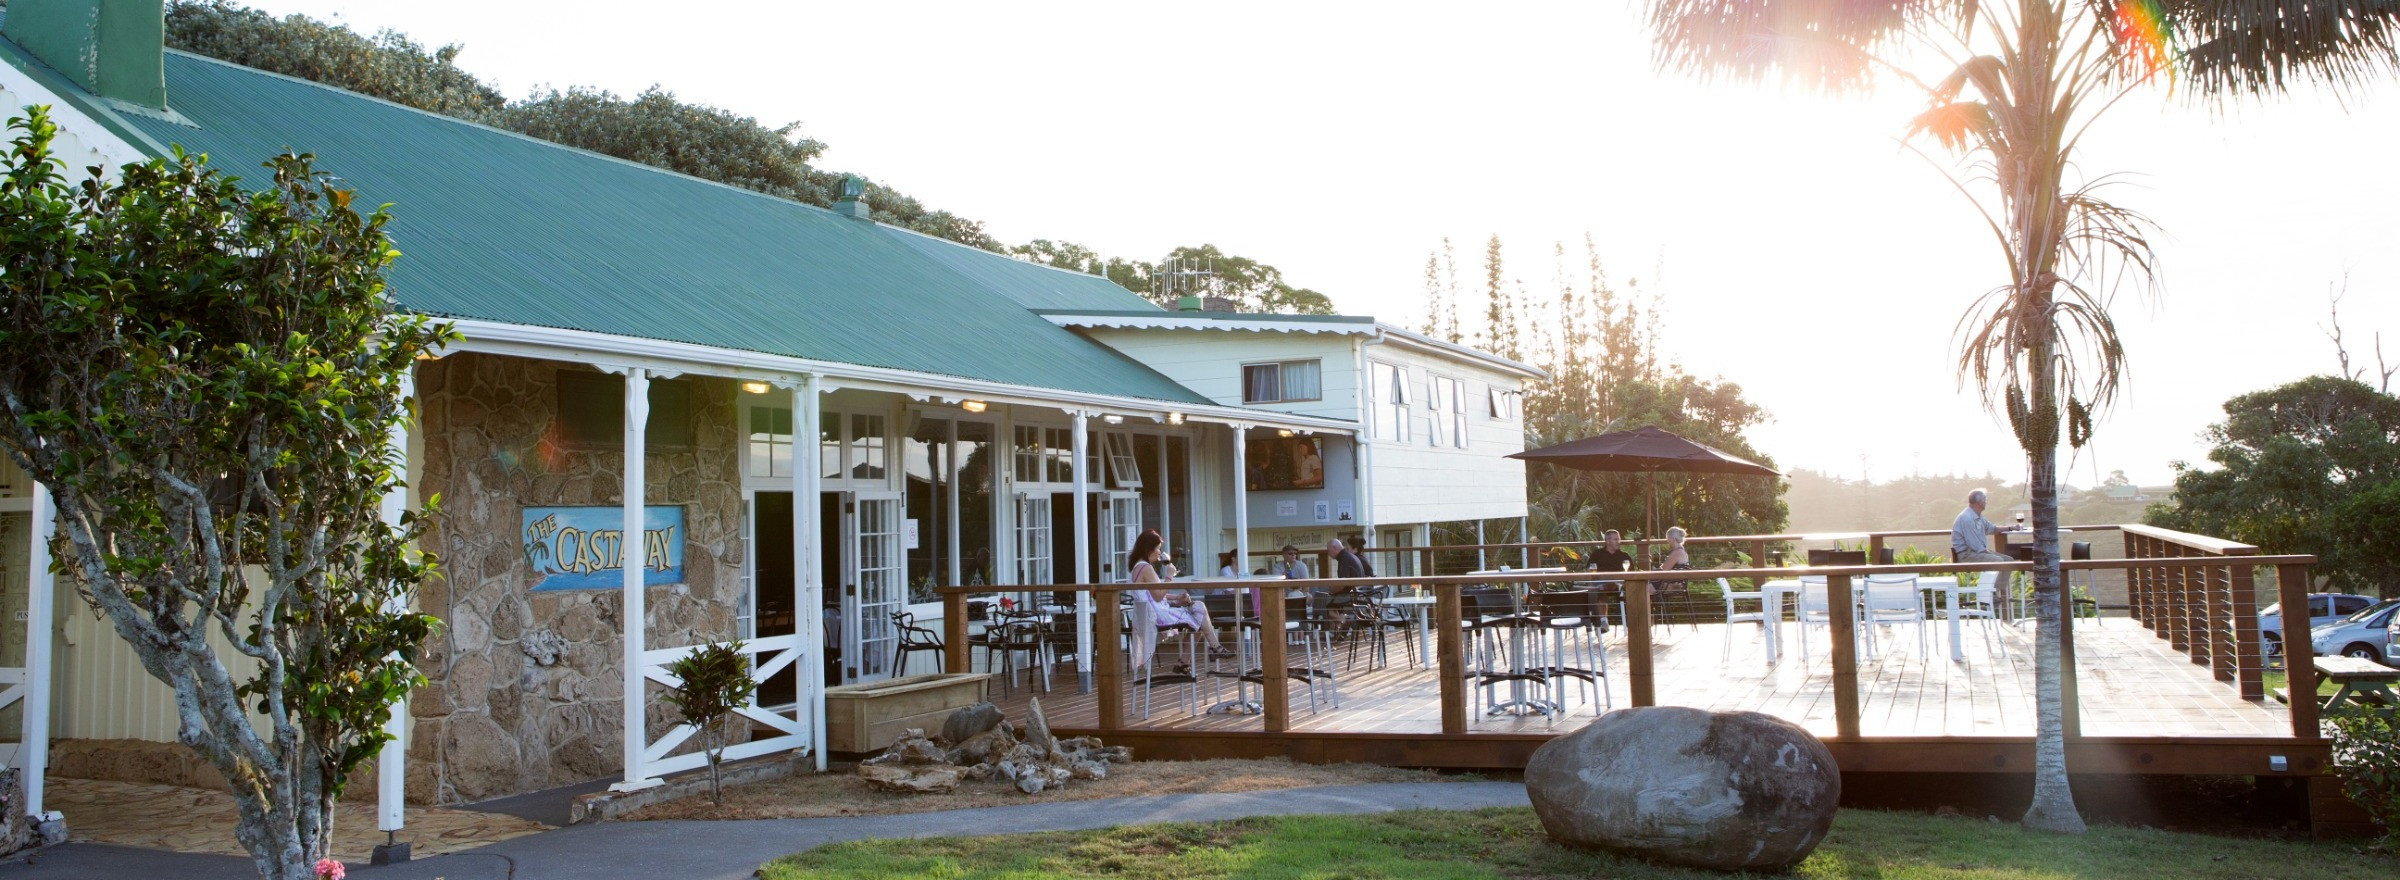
1758, 559
1845, 655
1274, 680
2140, 589
1874, 549
1638, 681
1449, 652
2249, 666
954, 632
2221, 658
1108, 658
2291, 588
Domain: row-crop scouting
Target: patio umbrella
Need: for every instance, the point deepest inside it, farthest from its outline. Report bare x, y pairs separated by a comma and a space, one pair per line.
1645, 450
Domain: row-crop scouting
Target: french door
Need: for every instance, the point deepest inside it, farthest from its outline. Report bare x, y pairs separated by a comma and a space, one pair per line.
874, 583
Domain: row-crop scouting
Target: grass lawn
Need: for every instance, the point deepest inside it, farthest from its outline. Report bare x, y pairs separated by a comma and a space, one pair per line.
2272, 679
1508, 843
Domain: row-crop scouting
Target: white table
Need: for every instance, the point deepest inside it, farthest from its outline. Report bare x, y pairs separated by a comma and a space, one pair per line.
1777, 589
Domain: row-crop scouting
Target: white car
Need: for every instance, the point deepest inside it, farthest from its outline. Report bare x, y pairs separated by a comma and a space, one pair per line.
2366, 635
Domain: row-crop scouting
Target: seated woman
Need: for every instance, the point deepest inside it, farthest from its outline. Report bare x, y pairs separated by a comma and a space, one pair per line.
1150, 566
1677, 559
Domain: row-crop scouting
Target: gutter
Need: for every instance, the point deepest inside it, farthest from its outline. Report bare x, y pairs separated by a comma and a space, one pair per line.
676, 358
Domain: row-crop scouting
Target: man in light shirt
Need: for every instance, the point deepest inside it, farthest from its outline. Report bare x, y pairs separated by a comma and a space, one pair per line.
1970, 532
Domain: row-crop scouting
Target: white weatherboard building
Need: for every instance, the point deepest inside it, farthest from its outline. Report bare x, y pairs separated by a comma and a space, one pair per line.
815, 417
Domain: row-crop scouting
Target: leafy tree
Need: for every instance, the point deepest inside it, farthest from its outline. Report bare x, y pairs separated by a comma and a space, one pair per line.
2308, 467
2015, 87
1605, 376
655, 129
388, 66
207, 380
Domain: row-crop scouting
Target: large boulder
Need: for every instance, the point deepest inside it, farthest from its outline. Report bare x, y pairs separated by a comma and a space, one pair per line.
1732, 791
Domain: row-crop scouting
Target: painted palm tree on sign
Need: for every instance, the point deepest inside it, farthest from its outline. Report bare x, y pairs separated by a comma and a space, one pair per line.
2014, 86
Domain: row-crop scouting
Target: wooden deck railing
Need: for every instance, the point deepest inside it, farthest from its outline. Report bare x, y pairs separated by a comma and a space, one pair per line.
2209, 612
1450, 654
1451, 558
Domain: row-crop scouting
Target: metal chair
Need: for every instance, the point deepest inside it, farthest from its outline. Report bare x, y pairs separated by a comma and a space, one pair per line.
1511, 645
913, 639
1575, 621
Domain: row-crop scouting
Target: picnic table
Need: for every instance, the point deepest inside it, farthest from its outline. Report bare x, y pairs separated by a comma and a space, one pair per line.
2362, 681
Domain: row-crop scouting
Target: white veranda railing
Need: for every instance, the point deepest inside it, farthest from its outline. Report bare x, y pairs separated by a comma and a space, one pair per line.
768, 656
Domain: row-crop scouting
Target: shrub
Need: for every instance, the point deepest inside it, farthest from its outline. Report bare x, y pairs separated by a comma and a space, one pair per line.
2366, 755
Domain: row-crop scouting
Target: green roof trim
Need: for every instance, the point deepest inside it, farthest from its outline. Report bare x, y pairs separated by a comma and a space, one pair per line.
501, 227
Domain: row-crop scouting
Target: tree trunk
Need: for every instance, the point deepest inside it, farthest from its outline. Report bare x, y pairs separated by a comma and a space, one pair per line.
2053, 807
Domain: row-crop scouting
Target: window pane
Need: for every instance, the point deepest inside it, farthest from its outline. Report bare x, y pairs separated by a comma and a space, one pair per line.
829, 445
1261, 383
866, 445
1300, 381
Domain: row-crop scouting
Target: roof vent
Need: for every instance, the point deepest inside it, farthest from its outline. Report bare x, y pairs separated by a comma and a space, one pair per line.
853, 200
1187, 304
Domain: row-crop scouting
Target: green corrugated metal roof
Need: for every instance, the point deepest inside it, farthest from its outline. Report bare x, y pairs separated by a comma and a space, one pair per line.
501, 227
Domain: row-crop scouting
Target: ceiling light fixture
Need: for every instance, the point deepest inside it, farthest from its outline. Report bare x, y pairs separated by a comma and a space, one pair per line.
755, 387
973, 406
1113, 419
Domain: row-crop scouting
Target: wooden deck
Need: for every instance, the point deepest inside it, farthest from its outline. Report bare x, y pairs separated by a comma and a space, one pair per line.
2132, 685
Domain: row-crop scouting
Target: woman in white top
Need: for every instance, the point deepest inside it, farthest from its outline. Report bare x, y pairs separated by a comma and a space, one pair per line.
1150, 566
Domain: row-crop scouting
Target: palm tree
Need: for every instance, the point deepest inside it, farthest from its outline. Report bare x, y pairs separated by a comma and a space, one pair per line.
2024, 80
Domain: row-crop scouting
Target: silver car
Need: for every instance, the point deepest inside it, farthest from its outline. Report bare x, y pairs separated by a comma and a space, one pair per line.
2323, 608
2365, 635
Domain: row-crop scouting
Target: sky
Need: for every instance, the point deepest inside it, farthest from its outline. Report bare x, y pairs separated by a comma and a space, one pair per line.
1799, 249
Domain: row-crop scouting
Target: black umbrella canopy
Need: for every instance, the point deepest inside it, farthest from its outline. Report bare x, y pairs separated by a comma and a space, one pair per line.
1645, 450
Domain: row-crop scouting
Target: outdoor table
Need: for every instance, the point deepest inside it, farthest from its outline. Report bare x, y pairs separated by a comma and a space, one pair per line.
2360, 680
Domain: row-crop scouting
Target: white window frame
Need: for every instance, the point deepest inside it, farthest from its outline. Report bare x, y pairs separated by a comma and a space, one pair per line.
1123, 471
1505, 403
1388, 402
1448, 400
1283, 380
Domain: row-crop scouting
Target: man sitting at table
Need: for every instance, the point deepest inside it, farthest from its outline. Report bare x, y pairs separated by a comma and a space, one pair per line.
1610, 556
1969, 532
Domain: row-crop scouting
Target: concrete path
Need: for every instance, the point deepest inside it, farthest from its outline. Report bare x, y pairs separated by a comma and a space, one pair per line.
732, 850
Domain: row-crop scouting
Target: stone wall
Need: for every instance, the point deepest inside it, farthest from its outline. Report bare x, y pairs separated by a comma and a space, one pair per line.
526, 689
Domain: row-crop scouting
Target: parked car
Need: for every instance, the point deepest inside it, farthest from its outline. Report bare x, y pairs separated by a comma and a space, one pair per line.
2391, 644
2365, 635
2323, 608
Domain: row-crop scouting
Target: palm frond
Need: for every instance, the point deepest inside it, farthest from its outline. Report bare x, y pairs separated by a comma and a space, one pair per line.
1824, 44
2261, 48
1955, 125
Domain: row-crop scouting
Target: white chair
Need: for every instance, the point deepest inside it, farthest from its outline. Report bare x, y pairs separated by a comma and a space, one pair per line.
1733, 617
1891, 599
1814, 607
1981, 602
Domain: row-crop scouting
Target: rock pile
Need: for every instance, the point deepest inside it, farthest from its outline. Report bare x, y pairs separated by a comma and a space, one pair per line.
978, 743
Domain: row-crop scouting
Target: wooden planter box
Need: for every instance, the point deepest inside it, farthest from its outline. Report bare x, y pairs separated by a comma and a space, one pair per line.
867, 717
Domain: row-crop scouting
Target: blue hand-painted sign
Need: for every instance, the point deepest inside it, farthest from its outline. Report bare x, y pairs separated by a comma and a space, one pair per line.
583, 548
